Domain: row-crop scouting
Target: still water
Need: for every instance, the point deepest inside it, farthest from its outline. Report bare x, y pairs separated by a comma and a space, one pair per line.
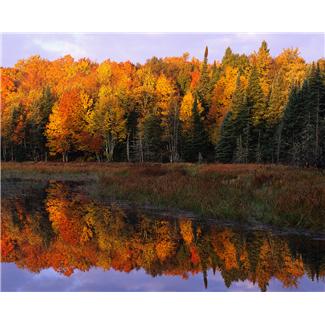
57, 237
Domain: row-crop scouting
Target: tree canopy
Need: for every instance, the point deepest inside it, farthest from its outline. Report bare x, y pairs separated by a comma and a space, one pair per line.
246, 108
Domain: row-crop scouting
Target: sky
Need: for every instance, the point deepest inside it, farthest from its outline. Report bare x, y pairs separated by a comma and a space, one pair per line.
137, 47
96, 279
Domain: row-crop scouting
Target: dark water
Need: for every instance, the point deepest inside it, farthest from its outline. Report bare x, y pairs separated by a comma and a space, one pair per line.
56, 237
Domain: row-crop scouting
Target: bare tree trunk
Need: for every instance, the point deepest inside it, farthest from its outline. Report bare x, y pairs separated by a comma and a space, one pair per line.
128, 147
111, 151
5, 152
106, 150
317, 130
65, 156
278, 146
141, 150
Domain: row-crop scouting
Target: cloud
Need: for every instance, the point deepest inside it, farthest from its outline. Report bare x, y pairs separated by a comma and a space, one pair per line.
61, 47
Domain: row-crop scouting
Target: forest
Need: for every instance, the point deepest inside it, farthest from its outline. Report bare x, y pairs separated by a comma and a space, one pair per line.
245, 109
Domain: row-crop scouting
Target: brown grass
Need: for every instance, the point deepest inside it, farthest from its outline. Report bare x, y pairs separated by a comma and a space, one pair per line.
280, 195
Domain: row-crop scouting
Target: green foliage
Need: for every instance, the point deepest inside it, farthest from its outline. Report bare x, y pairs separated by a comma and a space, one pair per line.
196, 143
302, 128
227, 143
152, 138
203, 89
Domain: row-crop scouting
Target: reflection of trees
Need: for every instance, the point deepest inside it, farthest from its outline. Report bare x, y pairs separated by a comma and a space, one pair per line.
63, 229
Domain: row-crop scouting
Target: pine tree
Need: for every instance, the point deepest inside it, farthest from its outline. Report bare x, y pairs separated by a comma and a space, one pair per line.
227, 143
316, 107
152, 138
257, 108
256, 99
264, 67
196, 142
287, 127
303, 133
203, 90
240, 152
276, 105
237, 98
230, 146
228, 58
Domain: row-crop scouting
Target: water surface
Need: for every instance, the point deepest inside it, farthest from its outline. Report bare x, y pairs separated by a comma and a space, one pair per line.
57, 237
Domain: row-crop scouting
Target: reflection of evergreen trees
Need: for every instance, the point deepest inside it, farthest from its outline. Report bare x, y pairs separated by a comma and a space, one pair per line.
312, 253
62, 228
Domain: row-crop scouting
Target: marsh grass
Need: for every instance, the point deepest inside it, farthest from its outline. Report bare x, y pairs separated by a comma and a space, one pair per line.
267, 194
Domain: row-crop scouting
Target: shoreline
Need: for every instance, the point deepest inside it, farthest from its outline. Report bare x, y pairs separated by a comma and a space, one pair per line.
281, 197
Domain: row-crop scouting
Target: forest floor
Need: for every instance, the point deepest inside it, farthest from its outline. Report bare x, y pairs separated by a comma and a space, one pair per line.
275, 195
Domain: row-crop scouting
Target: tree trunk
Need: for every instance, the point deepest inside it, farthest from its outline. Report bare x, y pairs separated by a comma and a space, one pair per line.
106, 150
317, 131
141, 150
279, 145
65, 157
4, 150
111, 147
128, 147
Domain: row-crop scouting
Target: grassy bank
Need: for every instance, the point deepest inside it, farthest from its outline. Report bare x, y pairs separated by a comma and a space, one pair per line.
276, 195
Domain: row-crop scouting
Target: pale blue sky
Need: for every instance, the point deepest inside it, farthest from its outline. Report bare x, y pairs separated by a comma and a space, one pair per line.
138, 47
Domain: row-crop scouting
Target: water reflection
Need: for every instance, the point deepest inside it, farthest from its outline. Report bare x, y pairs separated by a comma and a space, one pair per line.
57, 232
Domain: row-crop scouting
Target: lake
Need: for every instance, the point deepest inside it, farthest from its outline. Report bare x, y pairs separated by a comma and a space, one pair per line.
57, 236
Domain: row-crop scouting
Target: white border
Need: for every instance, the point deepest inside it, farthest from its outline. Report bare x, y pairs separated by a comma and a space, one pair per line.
162, 16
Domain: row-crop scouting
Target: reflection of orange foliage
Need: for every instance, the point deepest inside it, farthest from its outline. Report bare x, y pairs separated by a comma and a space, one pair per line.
164, 248
195, 258
292, 269
63, 214
122, 260
225, 249
7, 246
186, 230
88, 234
266, 264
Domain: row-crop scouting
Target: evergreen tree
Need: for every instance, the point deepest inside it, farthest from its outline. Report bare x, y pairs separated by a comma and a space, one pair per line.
256, 99
257, 107
303, 133
152, 138
230, 145
228, 58
238, 98
274, 116
264, 67
203, 90
315, 105
196, 142
227, 142
289, 127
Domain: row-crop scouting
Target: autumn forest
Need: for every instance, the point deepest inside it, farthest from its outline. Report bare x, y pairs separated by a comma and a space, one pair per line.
244, 109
